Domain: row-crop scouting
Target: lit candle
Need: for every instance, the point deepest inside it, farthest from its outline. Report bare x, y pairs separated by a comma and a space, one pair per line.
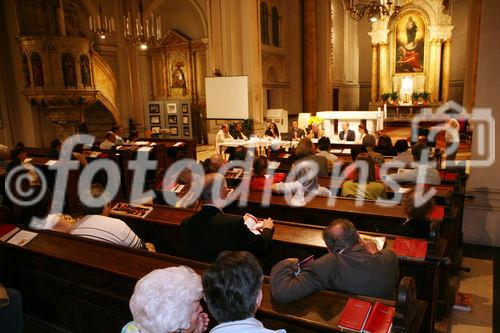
385, 110
99, 22
137, 32
90, 24
147, 28
159, 28
112, 24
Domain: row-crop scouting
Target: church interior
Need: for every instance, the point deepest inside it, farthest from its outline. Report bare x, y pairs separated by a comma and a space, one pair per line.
121, 93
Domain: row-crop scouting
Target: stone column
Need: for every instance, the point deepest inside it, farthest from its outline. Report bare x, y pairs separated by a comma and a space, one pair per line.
309, 56
434, 69
384, 68
446, 70
61, 23
375, 96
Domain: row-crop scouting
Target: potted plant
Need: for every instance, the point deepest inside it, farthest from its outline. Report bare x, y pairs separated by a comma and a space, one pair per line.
426, 96
414, 97
394, 97
385, 97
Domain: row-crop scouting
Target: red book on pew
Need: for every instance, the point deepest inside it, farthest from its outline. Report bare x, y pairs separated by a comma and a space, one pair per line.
437, 213
451, 176
380, 320
7, 231
402, 247
418, 249
354, 315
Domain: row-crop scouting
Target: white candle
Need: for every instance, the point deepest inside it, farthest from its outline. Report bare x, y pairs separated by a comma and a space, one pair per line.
147, 28
385, 110
90, 23
99, 22
112, 24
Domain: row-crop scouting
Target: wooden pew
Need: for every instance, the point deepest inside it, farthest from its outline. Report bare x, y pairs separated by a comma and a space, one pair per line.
162, 227
76, 284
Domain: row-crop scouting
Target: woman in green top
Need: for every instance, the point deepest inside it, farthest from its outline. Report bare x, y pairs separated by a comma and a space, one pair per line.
361, 186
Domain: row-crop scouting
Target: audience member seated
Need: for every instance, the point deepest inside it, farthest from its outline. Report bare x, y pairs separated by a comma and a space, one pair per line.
369, 144
305, 151
324, 150
296, 133
404, 155
346, 134
133, 137
18, 158
238, 154
315, 132
211, 231
118, 131
259, 178
213, 163
222, 137
167, 300
232, 288
362, 132
11, 311
4, 156
109, 141
96, 224
418, 220
351, 266
55, 148
305, 183
429, 174
360, 188
384, 146
79, 155
237, 131
272, 132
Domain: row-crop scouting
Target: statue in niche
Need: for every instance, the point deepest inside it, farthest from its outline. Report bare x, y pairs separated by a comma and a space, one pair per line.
36, 64
68, 69
178, 78
26, 72
410, 44
85, 70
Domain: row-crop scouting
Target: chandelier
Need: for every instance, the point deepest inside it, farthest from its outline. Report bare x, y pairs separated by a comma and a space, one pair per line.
101, 26
373, 9
143, 32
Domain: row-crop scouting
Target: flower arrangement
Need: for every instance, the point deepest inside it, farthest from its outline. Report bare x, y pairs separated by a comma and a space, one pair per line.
314, 119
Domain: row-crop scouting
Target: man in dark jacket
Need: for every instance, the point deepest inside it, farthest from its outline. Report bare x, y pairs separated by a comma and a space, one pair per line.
350, 266
347, 134
212, 231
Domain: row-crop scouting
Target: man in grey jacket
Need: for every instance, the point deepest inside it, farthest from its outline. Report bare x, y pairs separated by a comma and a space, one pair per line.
351, 266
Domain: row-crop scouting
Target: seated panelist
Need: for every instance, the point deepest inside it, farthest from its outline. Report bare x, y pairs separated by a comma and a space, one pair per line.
296, 133
346, 134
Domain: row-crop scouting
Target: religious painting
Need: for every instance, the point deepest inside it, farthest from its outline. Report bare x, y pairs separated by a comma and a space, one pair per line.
410, 44
26, 72
174, 131
172, 120
85, 70
68, 69
172, 108
154, 119
36, 64
154, 108
178, 76
185, 120
186, 131
184, 107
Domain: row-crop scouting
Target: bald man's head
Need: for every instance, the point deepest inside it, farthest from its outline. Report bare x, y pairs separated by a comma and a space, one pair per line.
339, 235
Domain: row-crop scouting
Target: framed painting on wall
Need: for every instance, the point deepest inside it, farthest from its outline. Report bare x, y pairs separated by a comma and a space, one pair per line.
172, 108
154, 108
155, 129
410, 44
154, 120
174, 131
185, 108
185, 120
172, 120
186, 131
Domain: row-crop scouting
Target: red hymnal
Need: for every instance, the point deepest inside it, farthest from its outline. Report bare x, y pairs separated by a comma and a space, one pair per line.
408, 248
401, 247
354, 315
437, 213
7, 231
380, 320
418, 249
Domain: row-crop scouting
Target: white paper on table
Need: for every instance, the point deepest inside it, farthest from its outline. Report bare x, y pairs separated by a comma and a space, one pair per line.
273, 165
404, 189
178, 144
346, 151
379, 241
144, 149
22, 238
95, 154
51, 162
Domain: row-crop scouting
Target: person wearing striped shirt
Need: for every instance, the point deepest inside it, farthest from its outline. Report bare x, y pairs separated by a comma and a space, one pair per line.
97, 225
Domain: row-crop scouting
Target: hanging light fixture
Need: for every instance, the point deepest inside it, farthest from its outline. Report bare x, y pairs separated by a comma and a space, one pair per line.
143, 32
101, 26
375, 10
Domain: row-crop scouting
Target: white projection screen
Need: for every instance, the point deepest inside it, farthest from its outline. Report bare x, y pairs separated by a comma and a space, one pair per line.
227, 97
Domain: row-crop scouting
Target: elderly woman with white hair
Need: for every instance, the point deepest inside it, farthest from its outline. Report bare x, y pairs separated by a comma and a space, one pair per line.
166, 301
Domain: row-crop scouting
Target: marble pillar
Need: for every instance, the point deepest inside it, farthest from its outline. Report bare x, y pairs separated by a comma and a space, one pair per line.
385, 85
434, 73
446, 71
309, 57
